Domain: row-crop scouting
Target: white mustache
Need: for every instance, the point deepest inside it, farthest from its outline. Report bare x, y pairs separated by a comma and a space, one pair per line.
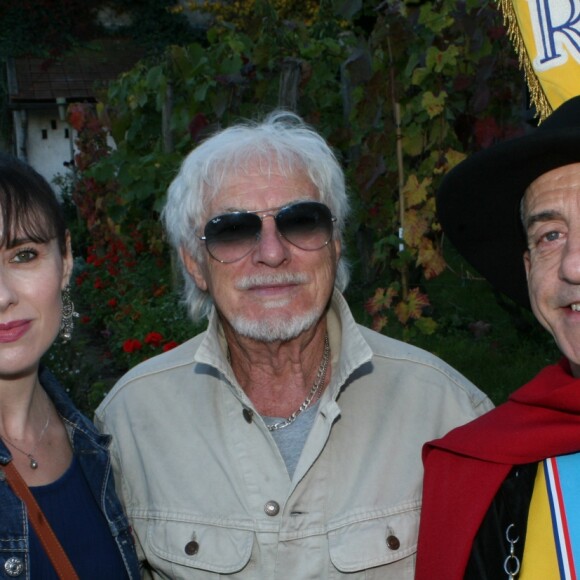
271, 280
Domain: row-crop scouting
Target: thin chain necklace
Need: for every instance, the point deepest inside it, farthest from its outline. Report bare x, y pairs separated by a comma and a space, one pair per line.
319, 381
30, 455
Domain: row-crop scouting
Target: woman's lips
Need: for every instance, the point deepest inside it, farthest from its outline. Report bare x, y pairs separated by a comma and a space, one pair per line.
13, 331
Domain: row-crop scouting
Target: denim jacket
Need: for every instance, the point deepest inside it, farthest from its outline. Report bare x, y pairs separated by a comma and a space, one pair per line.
91, 450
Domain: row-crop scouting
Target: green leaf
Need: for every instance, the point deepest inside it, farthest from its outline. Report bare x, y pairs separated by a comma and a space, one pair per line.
200, 92
419, 76
426, 325
435, 21
154, 77
437, 59
413, 140
433, 104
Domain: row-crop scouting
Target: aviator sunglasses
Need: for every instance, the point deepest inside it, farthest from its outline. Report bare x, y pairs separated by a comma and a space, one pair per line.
229, 237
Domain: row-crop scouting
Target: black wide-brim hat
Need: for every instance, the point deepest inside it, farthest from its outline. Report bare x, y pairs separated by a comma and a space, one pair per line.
478, 203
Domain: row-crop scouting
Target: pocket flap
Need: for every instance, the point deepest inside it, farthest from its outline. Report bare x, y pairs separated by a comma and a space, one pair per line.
213, 548
374, 542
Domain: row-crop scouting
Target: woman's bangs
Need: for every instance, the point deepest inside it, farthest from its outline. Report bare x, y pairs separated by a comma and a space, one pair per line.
27, 223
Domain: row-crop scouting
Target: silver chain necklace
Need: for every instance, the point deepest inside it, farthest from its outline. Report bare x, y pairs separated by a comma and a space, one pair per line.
30, 455
319, 381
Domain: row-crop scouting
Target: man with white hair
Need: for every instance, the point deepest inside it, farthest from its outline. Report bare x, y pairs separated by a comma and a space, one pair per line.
284, 441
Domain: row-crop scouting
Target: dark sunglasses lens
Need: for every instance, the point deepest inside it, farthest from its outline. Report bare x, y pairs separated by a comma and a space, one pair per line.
231, 236
307, 225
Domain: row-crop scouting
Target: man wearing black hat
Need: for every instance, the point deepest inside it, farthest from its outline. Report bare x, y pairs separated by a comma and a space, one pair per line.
503, 491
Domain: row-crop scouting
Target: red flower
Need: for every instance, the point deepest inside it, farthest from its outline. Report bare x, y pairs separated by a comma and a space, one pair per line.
85, 319
76, 116
132, 345
154, 338
169, 345
112, 302
99, 284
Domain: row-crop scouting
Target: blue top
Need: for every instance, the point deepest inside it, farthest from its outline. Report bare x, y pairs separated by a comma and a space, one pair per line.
90, 450
80, 527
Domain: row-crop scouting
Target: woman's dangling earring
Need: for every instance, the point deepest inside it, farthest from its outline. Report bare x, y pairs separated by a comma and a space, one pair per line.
68, 315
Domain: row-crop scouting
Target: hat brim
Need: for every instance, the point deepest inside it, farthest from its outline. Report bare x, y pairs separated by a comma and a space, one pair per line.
478, 203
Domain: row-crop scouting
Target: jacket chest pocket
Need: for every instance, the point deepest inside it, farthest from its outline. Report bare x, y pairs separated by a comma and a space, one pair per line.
385, 544
182, 549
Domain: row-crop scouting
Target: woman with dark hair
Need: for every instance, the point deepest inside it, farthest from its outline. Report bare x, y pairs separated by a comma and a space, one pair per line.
60, 517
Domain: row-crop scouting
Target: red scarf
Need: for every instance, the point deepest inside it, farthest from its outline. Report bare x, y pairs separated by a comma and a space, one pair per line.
464, 469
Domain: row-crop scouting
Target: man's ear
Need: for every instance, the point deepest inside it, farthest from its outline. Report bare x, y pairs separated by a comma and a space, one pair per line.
194, 269
527, 263
337, 249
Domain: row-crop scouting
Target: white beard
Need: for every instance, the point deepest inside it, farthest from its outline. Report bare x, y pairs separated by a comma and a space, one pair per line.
274, 326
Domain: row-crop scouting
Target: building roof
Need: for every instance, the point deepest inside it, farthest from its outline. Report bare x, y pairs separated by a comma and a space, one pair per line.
74, 76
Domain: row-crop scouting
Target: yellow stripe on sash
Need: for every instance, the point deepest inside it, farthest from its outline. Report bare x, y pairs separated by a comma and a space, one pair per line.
540, 561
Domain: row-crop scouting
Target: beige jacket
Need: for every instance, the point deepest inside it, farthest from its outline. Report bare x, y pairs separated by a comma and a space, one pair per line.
208, 493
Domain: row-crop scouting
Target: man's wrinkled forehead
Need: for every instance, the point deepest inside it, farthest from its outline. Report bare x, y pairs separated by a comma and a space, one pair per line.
550, 188
248, 191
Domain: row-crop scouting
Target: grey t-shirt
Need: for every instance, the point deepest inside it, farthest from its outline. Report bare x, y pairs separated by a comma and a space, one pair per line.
291, 439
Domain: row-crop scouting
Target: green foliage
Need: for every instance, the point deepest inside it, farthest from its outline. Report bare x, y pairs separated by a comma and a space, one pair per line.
448, 68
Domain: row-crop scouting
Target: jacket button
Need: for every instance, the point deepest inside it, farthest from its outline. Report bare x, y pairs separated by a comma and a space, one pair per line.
191, 548
14, 566
248, 414
272, 508
393, 543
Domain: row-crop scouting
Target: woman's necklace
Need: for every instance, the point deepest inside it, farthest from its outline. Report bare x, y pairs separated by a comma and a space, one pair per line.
30, 455
320, 376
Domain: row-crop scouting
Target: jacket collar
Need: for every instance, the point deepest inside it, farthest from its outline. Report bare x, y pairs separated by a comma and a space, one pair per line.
348, 347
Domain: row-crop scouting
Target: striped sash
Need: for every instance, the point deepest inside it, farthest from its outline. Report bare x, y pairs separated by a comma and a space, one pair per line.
552, 549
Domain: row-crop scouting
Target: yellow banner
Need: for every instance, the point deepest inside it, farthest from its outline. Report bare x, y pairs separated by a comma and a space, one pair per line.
546, 37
